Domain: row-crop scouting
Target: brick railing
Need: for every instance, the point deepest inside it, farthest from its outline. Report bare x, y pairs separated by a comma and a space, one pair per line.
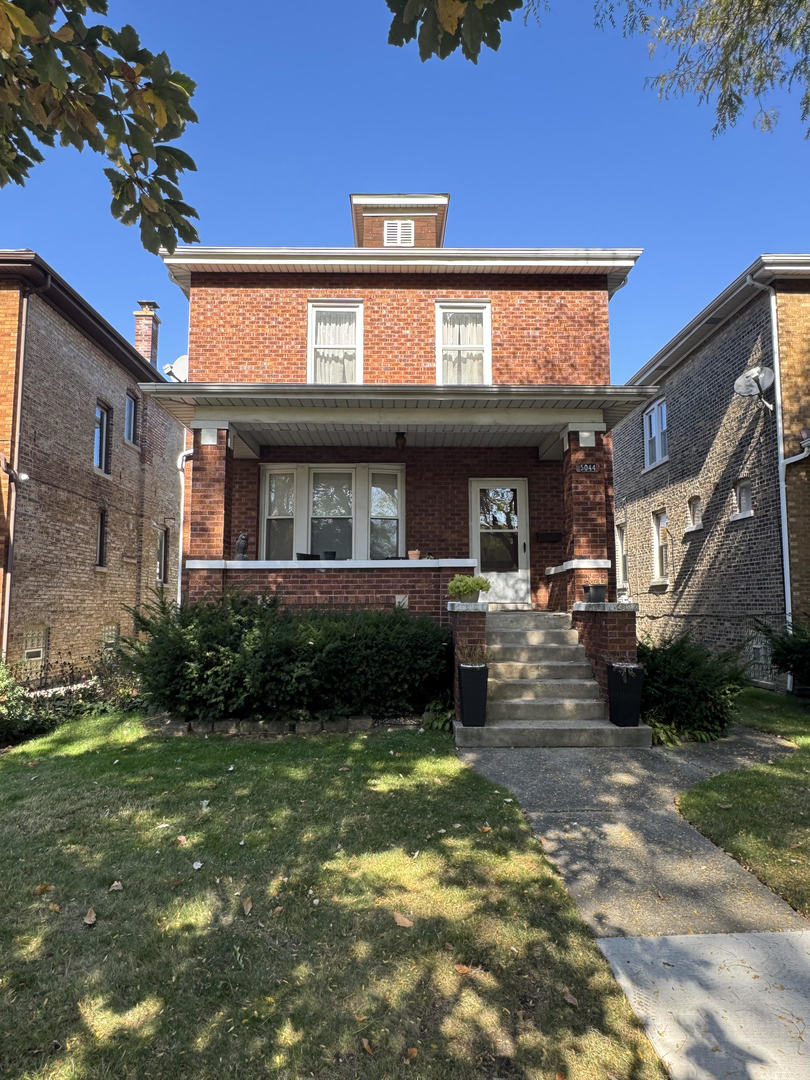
468, 625
608, 633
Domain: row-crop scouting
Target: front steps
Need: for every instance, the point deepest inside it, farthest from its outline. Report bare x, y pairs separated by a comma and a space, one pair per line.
541, 690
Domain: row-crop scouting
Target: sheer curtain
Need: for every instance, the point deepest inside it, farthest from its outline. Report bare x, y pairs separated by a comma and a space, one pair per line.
335, 351
463, 347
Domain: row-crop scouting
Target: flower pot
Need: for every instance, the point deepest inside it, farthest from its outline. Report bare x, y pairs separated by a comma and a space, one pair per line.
625, 682
414, 553
472, 694
598, 594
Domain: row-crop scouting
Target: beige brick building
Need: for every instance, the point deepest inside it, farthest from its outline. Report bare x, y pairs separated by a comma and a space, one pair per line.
712, 488
89, 486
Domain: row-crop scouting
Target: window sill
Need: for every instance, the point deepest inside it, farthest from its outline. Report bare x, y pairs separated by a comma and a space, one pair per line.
655, 464
659, 583
131, 445
101, 569
693, 529
327, 564
101, 472
742, 516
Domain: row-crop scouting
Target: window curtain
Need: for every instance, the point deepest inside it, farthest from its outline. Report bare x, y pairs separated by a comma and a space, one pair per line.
335, 346
463, 347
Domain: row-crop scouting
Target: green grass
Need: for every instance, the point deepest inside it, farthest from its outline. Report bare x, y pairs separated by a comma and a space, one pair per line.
329, 837
761, 815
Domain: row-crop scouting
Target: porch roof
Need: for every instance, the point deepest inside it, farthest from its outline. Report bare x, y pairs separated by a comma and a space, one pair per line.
308, 415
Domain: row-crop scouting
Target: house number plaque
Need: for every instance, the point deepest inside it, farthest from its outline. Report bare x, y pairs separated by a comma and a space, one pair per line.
586, 468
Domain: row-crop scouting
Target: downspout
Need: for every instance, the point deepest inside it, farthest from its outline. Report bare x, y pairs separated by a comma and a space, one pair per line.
15, 458
182, 458
780, 452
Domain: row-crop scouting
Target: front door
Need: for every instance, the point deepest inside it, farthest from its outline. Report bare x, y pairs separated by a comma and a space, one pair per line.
499, 538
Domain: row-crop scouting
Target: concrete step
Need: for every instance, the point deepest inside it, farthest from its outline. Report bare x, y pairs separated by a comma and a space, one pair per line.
528, 620
538, 669
553, 733
508, 710
540, 689
530, 654
558, 636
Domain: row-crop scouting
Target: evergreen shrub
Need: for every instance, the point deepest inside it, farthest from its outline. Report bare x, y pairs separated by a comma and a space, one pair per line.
790, 648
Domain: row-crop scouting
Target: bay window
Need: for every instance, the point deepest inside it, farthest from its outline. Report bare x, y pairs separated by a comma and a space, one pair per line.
332, 512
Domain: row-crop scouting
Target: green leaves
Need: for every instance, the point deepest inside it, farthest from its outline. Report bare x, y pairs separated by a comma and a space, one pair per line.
441, 26
93, 86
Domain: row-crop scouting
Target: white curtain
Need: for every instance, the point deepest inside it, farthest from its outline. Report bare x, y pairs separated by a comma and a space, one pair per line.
335, 346
463, 347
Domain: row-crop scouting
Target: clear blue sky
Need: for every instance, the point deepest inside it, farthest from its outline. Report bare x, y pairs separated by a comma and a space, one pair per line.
552, 141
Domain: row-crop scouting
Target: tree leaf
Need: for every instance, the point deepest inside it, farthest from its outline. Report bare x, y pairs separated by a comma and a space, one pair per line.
19, 19
569, 997
366, 1045
90, 918
116, 887
247, 905
180, 841
462, 969
402, 920
411, 1054
40, 889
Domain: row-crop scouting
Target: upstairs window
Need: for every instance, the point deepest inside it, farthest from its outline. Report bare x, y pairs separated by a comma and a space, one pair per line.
743, 500
463, 336
162, 557
335, 353
621, 555
398, 233
660, 547
101, 537
131, 419
695, 508
656, 444
101, 445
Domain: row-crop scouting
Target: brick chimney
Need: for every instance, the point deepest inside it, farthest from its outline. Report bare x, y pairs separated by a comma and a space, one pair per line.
399, 221
146, 330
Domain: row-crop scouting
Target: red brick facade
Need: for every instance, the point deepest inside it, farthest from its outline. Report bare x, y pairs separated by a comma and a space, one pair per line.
609, 637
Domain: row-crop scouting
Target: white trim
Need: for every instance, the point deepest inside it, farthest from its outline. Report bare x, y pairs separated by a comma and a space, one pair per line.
583, 605
399, 200
579, 564
327, 564
399, 228
485, 307
655, 409
314, 306
507, 587
741, 515
411, 214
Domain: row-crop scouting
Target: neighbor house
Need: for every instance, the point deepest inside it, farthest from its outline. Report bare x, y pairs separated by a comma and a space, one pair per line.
712, 478
88, 472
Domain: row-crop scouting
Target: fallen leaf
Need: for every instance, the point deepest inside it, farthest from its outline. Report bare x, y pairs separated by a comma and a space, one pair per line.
411, 1054
40, 889
55, 907
343, 768
90, 918
276, 911
559, 1075
247, 905
176, 884
436, 780
32, 764
366, 1046
569, 997
197, 865
725, 805
180, 841
116, 887
361, 1019
212, 785
401, 920
486, 828
462, 969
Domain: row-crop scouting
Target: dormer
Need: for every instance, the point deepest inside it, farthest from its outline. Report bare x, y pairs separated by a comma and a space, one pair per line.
400, 221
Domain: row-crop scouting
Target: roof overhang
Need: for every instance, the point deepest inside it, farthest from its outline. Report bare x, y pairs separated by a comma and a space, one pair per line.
434, 206
766, 270
614, 264
267, 414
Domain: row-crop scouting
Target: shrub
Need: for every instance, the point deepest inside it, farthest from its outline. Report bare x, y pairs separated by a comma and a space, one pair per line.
238, 656
689, 691
462, 586
790, 648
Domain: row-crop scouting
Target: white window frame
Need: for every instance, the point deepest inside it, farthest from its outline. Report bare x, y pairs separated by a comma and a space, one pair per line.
131, 399
621, 555
361, 504
695, 524
314, 306
659, 524
743, 499
656, 411
401, 236
450, 306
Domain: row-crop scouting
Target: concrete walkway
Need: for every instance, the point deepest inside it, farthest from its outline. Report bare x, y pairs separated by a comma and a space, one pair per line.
714, 964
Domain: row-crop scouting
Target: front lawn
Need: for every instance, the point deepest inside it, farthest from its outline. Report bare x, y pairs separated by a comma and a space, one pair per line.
761, 815
361, 907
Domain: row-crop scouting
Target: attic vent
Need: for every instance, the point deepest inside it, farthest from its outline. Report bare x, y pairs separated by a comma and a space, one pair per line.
398, 233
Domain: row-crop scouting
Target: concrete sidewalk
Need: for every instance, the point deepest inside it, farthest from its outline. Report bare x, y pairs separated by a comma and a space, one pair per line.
715, 965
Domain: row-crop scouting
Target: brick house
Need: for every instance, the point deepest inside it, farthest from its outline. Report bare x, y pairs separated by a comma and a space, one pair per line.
88, 480
354, 406
712, 489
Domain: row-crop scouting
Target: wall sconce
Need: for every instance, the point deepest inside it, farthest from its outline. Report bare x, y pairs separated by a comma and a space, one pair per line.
12, 474
400, 442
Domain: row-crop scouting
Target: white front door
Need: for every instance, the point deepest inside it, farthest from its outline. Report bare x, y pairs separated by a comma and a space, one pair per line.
499, 538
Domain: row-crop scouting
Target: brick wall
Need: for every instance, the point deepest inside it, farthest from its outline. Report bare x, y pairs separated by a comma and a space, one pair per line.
10, 301
424, 229
725, 575
469, 628
55, 581
253, 328
608, 637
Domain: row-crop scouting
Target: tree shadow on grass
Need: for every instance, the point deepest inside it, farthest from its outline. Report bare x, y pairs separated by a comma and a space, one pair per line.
336, 841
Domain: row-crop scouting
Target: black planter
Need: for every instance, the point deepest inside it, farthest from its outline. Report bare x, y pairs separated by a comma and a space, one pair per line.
472, 694
587, 591
624, 693
598, 594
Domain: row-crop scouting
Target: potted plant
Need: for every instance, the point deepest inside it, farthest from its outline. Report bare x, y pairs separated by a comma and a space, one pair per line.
595, 593
414, 553
471, 661
465, 589
625, 682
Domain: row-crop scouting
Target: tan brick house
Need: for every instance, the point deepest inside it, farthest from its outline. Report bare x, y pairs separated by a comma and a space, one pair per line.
89, 482
712, 489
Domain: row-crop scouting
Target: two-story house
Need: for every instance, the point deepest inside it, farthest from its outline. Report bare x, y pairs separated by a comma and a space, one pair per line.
88, 473
712, 485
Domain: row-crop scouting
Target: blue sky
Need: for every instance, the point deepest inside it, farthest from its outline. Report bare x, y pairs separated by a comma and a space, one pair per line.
552, 141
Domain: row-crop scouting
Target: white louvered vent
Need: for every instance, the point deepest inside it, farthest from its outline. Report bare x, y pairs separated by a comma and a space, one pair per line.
398, 233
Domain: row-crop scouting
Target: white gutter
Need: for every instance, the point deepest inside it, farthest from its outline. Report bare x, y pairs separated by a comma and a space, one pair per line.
182, 458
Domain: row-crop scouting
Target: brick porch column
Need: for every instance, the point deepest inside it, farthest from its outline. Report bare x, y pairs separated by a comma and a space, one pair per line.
608, 633
587, 480
211, 488
468, 625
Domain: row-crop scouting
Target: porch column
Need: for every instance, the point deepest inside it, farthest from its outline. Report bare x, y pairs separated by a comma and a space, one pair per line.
211, 490
587, 543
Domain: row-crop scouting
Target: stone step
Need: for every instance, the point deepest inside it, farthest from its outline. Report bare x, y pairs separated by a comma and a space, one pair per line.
530, 654
532, 637
553, 733
540, 689
508, 710
539, 669
528, 620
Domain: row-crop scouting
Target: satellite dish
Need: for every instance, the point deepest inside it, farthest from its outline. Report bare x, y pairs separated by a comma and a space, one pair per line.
754, 383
